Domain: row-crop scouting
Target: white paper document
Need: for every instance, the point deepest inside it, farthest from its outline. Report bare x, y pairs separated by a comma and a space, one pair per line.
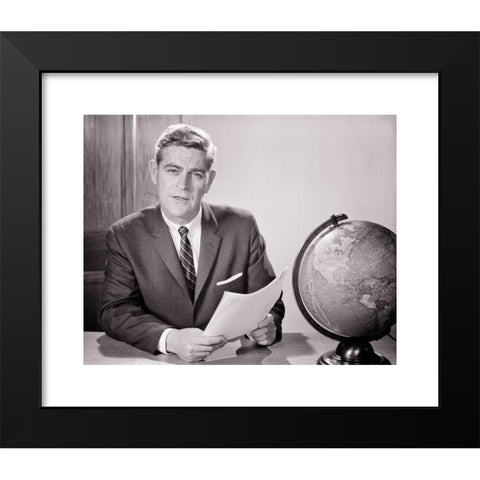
240, 313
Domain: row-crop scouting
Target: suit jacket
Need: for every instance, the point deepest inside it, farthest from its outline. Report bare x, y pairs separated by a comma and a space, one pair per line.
145, 290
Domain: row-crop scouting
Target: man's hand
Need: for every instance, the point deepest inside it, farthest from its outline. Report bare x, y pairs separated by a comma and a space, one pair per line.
191, 345
266, 331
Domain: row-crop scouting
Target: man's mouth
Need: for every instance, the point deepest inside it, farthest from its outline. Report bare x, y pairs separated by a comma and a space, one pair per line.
177, 197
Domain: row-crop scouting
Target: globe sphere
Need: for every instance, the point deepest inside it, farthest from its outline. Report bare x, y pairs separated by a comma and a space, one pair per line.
344, 279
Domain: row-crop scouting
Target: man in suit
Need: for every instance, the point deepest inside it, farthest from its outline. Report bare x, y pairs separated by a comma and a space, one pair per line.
168, 265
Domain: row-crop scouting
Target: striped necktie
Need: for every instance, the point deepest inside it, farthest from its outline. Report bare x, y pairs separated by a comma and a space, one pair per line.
186, 259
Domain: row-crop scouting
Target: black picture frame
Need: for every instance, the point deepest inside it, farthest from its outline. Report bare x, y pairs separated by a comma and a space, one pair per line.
26, 56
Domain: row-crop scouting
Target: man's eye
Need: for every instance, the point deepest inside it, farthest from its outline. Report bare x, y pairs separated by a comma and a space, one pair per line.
198, 175
172, 170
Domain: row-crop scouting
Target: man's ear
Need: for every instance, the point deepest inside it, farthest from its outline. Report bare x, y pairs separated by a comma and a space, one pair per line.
211, 177
153, 170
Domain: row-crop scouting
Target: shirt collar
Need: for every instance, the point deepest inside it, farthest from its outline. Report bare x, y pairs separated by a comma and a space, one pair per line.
192, 225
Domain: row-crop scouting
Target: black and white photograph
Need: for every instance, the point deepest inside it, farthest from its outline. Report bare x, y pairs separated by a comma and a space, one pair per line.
240, 239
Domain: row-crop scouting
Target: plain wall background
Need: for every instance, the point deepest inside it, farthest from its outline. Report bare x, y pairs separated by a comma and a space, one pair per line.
294, 172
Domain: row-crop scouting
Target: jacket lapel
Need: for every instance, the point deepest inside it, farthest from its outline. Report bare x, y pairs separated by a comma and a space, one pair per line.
209, 245
164, 246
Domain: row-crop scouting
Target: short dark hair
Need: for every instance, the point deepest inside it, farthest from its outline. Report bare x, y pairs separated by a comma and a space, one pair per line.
187, 136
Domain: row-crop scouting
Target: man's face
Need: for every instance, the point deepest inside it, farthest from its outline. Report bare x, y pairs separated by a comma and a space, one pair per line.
182, 179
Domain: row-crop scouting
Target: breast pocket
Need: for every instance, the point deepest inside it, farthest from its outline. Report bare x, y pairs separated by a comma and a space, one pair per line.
233, 284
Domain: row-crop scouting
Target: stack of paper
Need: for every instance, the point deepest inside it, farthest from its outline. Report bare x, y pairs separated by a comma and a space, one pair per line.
238, 314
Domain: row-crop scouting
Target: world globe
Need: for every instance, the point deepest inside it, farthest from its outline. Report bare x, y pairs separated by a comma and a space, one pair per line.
344, 281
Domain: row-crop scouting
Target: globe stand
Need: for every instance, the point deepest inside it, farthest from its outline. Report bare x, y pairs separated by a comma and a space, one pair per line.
353, 352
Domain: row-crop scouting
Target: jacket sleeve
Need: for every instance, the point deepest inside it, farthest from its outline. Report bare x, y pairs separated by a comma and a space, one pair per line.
260, 273
122, 315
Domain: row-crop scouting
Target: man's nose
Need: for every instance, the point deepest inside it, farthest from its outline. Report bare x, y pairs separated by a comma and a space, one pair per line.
184, 181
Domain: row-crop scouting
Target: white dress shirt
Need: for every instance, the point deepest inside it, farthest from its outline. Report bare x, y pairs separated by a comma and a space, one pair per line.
195, 236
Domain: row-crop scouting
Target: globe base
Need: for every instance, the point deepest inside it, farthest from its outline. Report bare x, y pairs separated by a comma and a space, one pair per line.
353, 352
